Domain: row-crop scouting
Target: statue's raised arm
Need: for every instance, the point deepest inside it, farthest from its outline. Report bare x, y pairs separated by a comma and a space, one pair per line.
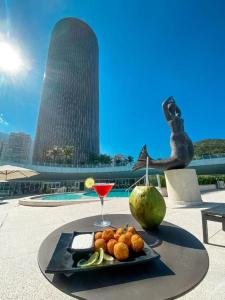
170, 109
165, 105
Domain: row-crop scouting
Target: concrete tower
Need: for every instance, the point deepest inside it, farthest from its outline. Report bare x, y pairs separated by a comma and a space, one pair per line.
69, 110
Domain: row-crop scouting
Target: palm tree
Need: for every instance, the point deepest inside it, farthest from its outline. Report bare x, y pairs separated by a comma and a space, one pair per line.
130, 159
119, 159
68, 152
49, 154
93, 159
55, 154
104, 159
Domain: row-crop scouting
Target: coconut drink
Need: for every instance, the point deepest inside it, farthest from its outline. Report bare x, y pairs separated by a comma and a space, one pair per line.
147, 206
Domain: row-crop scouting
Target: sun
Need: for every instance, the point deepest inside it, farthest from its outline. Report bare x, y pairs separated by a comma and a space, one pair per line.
10, 60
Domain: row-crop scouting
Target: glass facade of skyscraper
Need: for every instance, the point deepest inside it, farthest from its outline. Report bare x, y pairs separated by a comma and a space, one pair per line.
69, 110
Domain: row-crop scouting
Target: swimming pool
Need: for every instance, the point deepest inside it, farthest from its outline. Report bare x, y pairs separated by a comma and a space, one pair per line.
74, 196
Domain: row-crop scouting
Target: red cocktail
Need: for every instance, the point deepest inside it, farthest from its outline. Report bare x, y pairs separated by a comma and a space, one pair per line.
102, 189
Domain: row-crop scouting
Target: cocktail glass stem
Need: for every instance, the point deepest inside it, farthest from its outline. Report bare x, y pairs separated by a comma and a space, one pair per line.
102, 206
102, 189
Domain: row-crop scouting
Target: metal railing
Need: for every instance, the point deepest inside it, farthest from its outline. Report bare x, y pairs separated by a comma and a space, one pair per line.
135, 183
111, 165
123, 164
209, 156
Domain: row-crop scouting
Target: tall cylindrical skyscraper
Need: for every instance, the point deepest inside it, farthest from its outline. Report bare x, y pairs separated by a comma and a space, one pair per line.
69, 110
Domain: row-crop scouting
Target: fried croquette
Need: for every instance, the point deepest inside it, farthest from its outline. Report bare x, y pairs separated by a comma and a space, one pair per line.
98, 235
129, 234
120, 231
110, 246
125, 238
107, 234
137, 243
116, 236
131, 229
100, 243
121, 251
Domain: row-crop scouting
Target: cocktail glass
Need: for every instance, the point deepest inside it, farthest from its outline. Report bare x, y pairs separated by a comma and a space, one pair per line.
102, 189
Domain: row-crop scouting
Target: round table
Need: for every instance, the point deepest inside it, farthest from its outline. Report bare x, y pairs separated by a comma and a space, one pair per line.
183, 264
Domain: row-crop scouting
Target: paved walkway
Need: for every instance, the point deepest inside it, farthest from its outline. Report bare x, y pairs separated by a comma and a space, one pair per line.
23, 228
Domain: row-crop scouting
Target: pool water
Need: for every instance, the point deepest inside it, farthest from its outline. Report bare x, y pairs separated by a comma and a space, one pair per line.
76, 196
62, 197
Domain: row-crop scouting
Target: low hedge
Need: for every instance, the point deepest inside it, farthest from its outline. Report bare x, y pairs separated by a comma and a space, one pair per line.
202, 179
153, 180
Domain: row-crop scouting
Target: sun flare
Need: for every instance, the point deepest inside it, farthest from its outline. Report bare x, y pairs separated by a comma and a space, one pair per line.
10, 60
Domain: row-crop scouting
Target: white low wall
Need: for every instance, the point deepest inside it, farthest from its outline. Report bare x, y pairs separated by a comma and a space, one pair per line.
207, 187
203, 188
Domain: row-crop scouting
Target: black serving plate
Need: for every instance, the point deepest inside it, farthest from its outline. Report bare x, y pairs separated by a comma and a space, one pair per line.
64, 261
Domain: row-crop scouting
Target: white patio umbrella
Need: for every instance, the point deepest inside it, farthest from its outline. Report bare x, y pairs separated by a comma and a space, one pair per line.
8, 172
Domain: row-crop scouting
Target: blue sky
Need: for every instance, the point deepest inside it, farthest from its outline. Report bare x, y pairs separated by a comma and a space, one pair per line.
148, 50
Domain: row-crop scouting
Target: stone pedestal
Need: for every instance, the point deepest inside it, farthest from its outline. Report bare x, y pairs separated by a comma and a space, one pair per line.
162, 190
182, 187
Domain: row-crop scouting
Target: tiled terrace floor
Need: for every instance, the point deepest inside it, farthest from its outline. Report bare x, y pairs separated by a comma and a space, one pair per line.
23, 228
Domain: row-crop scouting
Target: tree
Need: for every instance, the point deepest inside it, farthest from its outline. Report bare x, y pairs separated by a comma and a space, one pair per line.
209, 147
68, 152
104, 159
55, 154
119, 159
93, 159
130, 158
99, 159
61, 154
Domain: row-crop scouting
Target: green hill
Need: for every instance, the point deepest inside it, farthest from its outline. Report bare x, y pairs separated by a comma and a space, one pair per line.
209, 146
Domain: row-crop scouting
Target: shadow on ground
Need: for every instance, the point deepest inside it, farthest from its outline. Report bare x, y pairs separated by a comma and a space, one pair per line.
203, 205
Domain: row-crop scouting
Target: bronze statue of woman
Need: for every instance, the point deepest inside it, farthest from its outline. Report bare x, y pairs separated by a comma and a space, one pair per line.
182, 150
